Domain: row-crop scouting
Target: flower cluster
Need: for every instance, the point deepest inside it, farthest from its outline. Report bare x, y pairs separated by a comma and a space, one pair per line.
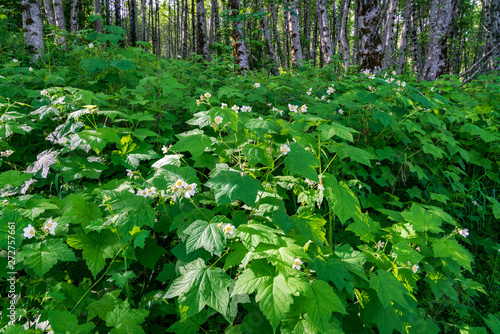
6, 154
188, 189
300, 110
368, 74
330, 90
147, 192
49, 228
310, 183
309, 91
203, 97
245, 109
276, 109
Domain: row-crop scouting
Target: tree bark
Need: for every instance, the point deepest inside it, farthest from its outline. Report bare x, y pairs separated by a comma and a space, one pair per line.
133, 22
239, 47
60, 21
277, 39
389, 35
267, 36
343, 33
370, 50
32, 27
495, 32
315, 34
143, 23
118, 12
74, 15
414, 43
326, 42
404, 36
436, 62
202, 30
296, 48
184, 29
97, 11
307, 29
49, 11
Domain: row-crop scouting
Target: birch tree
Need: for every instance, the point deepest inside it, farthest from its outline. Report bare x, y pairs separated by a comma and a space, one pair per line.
32, 27
495, 32
436, 62
97, 11
60, 21
370, 49
239, 47
49, 12
404, 36
293, 27
343, 33
74, 16
326, 42
389, 35
269, 42
202, 30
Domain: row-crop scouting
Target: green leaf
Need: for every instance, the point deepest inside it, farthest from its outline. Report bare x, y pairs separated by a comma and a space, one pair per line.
151, 253
320, 304
327, 131
125, 320
274, 298
252, 235
364, 227
129, 154
207, 235
386, 318
78, 210
354, 153
198, 286
441, 285
493, 323
36, 205
193, 141
496, 207
42, 256
97, 247
10, 215
452, 249
66, 322
406, 253
302, 162
230, 186
256, 154
388, 288
103, 306
123, 64
333, 270
122, 278
13, 178
344, 202
310, 225
422, 220
98, 138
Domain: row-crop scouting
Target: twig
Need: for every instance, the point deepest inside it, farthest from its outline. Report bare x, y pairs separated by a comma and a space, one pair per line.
480, 60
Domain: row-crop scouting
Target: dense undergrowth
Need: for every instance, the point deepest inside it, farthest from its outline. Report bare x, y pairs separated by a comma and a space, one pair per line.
150, 195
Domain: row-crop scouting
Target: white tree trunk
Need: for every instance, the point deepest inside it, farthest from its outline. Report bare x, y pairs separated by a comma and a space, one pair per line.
370, 49
404, 36
495, 32
293, 27
49, 11
343, 33
389, 35
74, 16
32, 27
60, 21
267, 36
239, 47
97, 11
436, 62
326, 42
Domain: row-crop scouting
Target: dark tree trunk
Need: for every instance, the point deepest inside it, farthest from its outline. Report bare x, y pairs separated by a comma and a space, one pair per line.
133, 22
239, 47
32, 27
202, 30
118, 12
97, 11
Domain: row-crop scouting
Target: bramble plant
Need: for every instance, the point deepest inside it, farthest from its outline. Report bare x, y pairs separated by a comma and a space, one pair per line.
170, 196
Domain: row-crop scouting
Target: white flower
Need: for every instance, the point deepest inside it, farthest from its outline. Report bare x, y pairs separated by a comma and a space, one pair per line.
292, 107
7, 153
303, 108
309, 91
403, 84
29, 232
50, 227
380, 244
432, 89
229, 229
341, 111
415, 268
330, 90
297, 263
320, 187
164, 149
256, 85
190, 190
15, 60
372, 76
218, 120
393, 72
130, 173
142, 192
309, 182
235, 108
246, 109
323, 97
474, 202
91, 46
44, 92
223, 105
31, 69
464, 233
151, 192
390, 113
207, 95
284, 149
180, 183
